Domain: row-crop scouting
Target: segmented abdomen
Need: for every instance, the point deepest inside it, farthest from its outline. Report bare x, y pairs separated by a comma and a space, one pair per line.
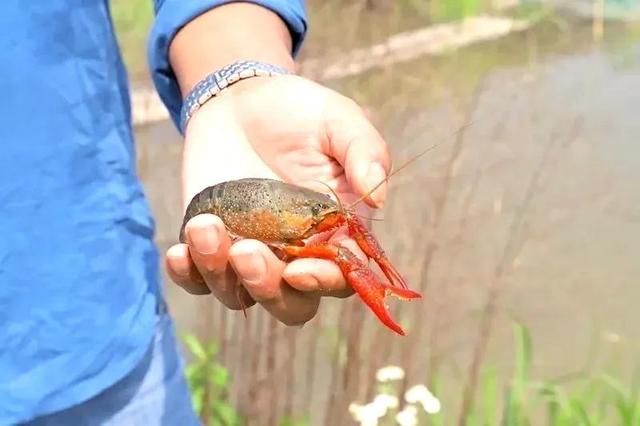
263, 209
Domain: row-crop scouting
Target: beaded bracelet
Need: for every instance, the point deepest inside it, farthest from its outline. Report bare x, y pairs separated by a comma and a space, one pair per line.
219, 80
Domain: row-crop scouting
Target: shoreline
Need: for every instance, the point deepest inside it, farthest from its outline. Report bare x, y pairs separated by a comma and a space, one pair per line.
432, 40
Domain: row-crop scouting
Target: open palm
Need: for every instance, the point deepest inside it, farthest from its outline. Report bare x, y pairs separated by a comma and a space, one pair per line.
286, 128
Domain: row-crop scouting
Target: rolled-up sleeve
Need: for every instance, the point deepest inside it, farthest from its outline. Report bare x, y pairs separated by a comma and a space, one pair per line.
172, 15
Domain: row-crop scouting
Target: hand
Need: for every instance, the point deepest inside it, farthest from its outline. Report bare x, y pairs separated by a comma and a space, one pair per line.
287, 128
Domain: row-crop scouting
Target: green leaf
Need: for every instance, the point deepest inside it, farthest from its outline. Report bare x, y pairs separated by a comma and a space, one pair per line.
194, 346
195, 376
225, 414
219, 376
620, 398
197, 400
438, 389
515, 402
490, 391
212, 350
290, 421
524, 351
472, 418
558, 408
580, 412
634, 401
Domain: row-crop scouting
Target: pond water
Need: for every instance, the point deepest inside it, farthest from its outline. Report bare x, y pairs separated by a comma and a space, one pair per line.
535, 208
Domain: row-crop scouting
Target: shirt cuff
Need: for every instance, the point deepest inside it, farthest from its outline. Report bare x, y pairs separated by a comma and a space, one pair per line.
172, 15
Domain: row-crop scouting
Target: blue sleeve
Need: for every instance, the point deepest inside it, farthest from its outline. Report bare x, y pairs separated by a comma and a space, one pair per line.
172, 15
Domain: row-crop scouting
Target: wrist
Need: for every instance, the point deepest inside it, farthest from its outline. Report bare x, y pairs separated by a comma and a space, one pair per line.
242, 31
218, 82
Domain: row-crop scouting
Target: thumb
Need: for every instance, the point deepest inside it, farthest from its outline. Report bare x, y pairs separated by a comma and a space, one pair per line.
356, 144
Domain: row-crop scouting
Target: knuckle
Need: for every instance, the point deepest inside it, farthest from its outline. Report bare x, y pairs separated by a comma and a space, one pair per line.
211, 269
261, 293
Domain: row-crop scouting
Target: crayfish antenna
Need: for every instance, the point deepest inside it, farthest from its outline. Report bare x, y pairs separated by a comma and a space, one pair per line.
374, 219
408, 162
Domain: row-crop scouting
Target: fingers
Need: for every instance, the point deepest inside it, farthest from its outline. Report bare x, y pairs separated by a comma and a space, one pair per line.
261, 274
208, 255
202, 267
355, 143
183, 271
317, 275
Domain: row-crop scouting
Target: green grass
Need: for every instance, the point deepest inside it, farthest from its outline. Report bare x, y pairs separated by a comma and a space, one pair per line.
590, 398
209, 383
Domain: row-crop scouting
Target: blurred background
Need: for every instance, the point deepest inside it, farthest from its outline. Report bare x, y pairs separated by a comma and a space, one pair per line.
522, 230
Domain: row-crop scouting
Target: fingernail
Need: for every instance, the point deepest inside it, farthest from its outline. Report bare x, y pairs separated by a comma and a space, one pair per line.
203, 236
375, 175
250, 266
176, 251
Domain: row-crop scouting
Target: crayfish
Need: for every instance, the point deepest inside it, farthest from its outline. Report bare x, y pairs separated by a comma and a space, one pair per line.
283, 215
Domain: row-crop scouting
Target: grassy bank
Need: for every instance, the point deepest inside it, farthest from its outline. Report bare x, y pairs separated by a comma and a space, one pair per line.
588, 396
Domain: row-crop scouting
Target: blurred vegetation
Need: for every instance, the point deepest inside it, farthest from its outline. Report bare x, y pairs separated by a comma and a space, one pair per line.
336, 25
586, 397
132, 20
209, 384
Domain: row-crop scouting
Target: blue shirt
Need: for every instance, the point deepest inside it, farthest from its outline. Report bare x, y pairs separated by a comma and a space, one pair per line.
79, 273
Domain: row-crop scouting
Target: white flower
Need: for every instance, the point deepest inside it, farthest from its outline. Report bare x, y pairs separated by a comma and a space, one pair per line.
368, 414
389, 373
408, 416
417, 393
431, 405
387, 401
420, 393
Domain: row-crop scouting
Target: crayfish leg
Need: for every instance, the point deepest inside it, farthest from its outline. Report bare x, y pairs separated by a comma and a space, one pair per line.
370, 246
240, 301
364, 282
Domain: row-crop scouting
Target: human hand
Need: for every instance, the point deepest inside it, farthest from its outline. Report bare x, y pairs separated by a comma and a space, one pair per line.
286, 128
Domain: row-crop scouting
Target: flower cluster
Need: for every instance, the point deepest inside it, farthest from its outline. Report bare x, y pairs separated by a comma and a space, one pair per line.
371, 413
